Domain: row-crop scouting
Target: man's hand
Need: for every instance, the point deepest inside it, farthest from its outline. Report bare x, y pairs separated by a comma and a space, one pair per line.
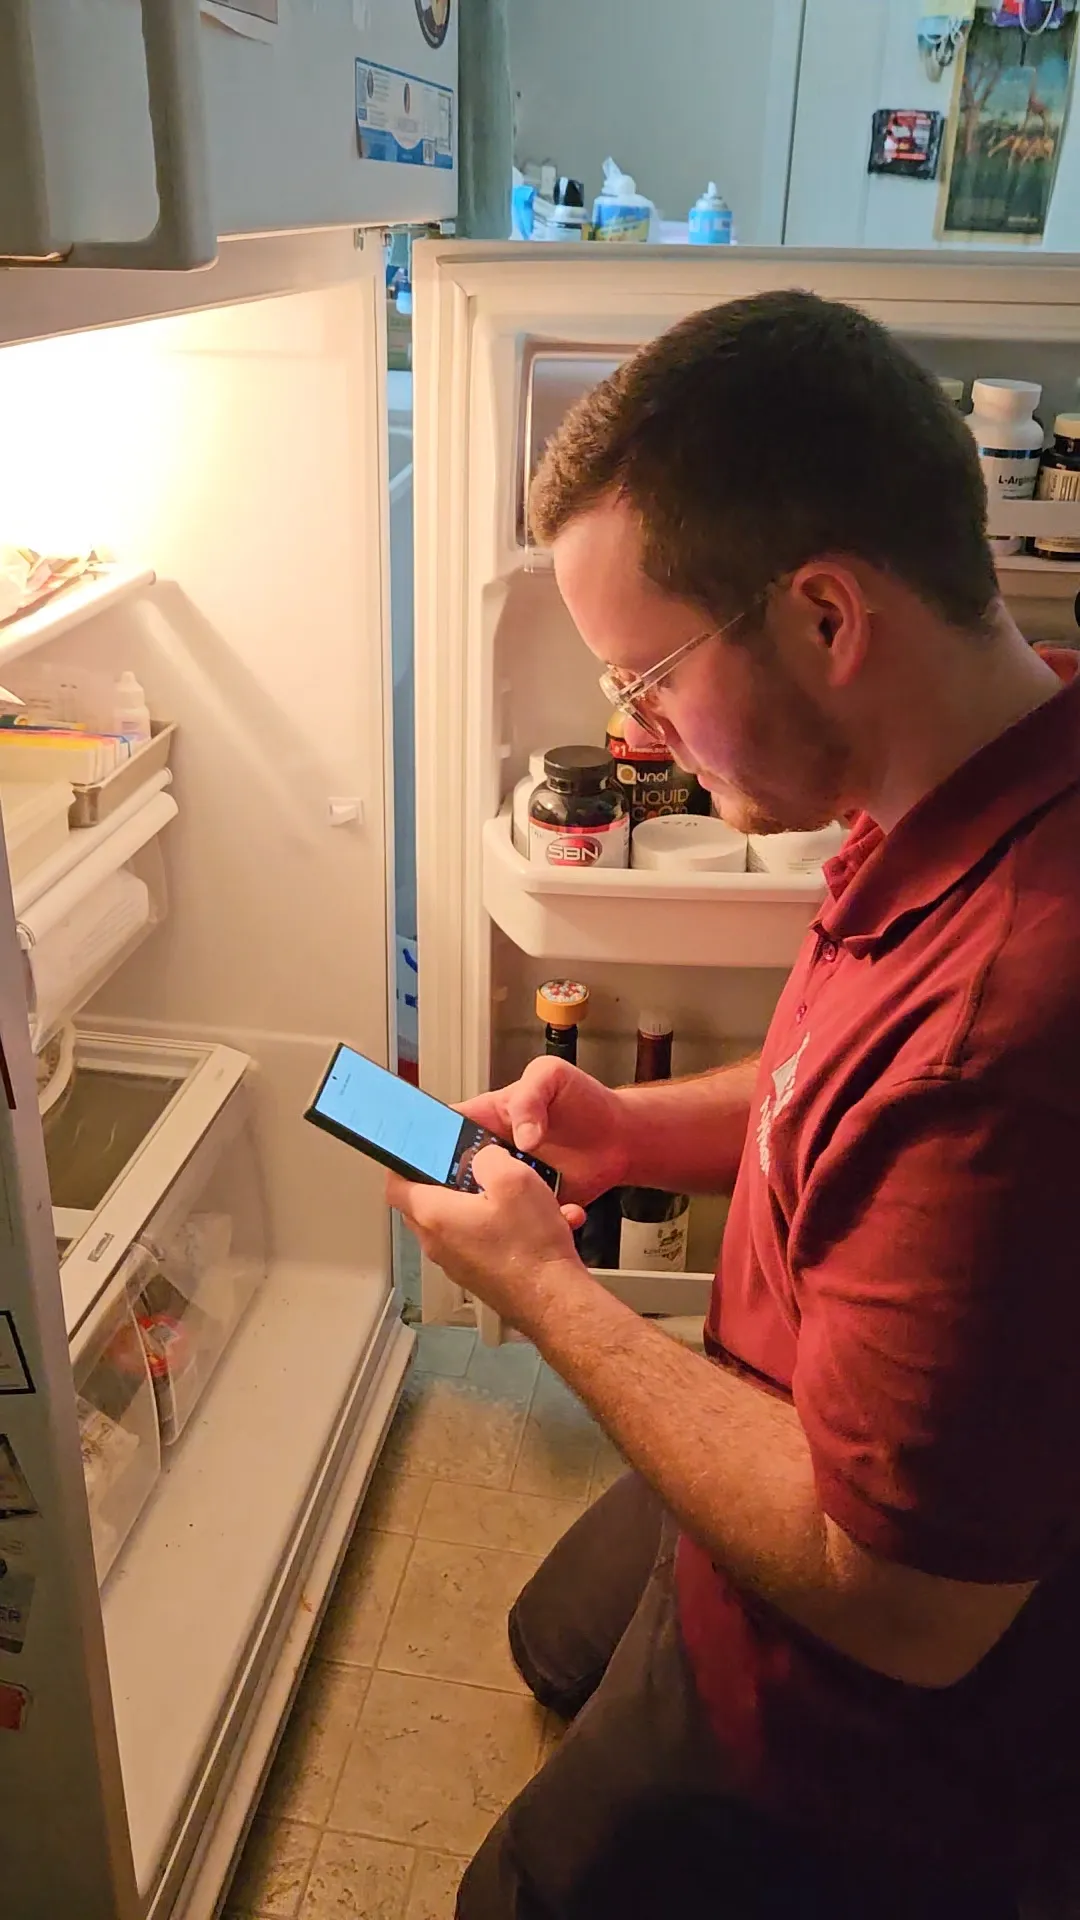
561, 1115
511, 1245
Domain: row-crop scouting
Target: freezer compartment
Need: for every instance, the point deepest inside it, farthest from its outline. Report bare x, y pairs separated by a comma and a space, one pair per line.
133, 1127
118, 1421
205, 1251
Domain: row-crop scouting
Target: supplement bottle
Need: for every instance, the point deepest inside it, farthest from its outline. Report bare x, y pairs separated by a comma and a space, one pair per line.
579, 818
1059, 479
1010, 445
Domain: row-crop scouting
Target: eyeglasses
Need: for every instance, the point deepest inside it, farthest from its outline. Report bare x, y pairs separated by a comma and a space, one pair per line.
635, 694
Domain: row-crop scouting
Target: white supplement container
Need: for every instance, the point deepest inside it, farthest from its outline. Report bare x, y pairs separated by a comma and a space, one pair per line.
695, 843
795, 852
1010, 444
523, 793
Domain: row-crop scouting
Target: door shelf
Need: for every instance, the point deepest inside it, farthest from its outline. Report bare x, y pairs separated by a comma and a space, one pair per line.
698, 920
68, 608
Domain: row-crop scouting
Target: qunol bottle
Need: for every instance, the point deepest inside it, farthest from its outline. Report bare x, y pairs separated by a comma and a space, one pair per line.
562, 1005
655, 1225
1059, 479
654, 784
579, 818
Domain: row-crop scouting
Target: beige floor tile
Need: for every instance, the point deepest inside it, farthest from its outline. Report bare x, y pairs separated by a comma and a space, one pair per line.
510, 1371
309, 1760
361, 1602
433, 1765
449, 1620
445, 1350
394, 1501
485, 1517
559, 1445
434, 1887
273, 1870
608, 1467
457, 1430
359, 1878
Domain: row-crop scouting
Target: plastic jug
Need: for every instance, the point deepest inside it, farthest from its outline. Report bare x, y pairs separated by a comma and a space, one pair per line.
620, 212
711, 224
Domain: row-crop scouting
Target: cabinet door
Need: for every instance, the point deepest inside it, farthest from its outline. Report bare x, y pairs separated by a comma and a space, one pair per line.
103, 154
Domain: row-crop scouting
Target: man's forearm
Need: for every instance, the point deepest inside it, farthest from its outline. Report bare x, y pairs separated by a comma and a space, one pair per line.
687, 1136
734, 1465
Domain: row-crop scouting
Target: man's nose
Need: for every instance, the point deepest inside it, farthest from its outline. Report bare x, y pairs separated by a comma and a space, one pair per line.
638, 736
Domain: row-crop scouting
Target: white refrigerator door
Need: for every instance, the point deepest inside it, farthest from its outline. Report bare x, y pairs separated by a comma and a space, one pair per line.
254, 448
135, 133
497, 667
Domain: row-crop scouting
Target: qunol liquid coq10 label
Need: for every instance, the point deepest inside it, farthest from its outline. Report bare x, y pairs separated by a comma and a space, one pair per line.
653, 784
579, 818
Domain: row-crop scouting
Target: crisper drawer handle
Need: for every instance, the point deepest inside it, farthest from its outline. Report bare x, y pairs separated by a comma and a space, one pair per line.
184, 236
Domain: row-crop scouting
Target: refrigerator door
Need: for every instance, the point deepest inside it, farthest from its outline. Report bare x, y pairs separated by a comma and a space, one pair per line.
506, 338
103, 156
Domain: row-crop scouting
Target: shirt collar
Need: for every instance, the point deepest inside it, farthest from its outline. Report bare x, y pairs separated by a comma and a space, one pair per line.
878, 879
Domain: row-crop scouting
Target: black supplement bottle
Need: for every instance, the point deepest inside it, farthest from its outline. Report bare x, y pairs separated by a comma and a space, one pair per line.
562, 1005
580, 817
1059, 479
654, 1226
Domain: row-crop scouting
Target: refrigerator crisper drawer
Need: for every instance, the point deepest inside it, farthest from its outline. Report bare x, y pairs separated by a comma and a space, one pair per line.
118, 1422
205, 1258
122, 1138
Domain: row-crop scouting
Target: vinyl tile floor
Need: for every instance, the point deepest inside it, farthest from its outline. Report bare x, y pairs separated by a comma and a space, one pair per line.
412, 1731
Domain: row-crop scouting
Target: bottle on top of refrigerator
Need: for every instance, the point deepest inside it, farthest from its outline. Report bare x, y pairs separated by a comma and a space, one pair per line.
1059, 479
1010, 442
131, 715
562, 1005
564, 216
710, 220
952, 389
655, 1226
579, 818
620, 212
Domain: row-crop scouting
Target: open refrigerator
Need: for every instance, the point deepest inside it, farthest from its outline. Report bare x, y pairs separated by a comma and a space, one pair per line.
175, 1508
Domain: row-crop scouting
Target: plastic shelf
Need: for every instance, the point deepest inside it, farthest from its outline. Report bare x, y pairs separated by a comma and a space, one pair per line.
68, 608
697, 920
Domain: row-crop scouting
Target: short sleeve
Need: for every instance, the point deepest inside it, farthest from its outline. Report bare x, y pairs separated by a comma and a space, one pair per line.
936, 1255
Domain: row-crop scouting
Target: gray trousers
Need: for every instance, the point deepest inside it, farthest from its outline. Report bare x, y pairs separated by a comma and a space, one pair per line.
632, 1818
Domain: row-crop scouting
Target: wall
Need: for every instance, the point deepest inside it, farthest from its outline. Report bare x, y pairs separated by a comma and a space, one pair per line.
680, 94
859, 55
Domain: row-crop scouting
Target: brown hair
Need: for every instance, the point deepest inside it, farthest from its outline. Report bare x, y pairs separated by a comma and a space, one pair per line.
757, 435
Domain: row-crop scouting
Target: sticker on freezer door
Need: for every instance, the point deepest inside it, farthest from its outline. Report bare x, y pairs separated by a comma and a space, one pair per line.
434, 18
14, 1372
402, 119
14, 1707
16, 1500
17, 1580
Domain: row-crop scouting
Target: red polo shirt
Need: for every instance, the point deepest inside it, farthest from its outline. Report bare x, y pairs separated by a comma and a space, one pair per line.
902, 1260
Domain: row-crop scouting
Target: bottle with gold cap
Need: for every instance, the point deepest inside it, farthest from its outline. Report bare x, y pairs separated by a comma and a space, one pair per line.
562, 1005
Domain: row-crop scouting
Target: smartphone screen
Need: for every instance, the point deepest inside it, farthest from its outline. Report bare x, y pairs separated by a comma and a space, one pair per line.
404, 1128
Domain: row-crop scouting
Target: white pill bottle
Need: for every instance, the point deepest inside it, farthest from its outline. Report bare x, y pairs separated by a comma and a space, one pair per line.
1010, 444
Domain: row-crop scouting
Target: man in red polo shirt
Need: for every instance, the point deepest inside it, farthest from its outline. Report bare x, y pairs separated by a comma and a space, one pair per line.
823, 1645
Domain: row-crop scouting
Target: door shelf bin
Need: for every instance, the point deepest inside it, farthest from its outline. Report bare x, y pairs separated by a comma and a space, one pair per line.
118, 1421
205, 1258
696, 920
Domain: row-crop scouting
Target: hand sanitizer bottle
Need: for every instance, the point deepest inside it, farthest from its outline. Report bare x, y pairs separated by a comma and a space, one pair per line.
711, 224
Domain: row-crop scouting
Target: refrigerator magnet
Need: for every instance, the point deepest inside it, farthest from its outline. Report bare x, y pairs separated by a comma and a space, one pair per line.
14, 1707
906, 141
18, 1577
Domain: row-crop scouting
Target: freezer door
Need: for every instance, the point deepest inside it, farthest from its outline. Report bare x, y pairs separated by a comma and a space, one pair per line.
135, 133
103, 156
63, 1830
506, 338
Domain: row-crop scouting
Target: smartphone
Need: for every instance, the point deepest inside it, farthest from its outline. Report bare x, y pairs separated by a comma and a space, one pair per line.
403, 1128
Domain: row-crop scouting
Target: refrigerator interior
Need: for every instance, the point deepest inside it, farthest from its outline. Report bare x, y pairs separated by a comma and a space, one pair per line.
503, 349
238, 454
